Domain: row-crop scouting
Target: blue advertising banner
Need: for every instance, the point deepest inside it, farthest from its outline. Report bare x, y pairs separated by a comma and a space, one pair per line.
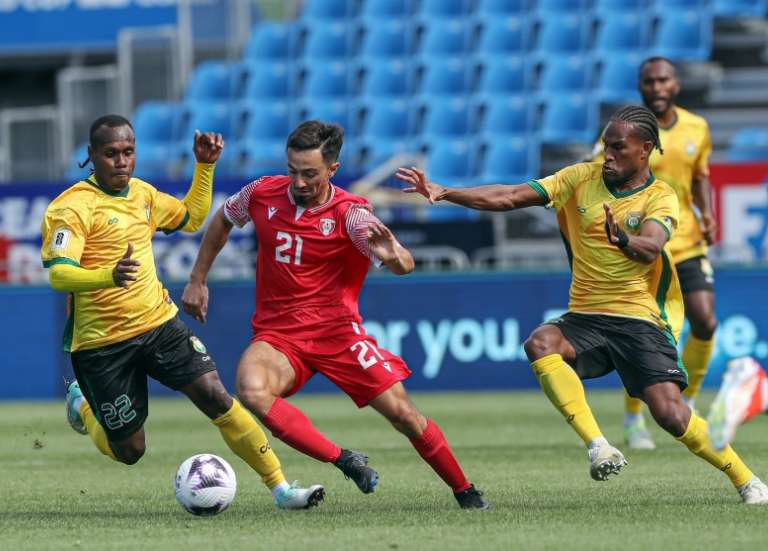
457, 332
49, 25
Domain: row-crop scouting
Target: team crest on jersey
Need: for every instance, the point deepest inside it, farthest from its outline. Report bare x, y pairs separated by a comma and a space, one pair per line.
690, 149
197, 344
632, 221
327, 225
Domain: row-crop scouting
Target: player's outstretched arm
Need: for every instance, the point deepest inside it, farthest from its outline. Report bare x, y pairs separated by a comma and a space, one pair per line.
642, 248
498, 197
387, 248
195, 297
207, 148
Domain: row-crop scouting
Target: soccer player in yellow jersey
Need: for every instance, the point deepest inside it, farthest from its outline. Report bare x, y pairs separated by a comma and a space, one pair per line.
625, 308
685, 167
122, 325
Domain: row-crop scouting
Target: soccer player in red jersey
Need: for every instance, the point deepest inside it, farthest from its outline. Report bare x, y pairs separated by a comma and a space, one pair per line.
316, 243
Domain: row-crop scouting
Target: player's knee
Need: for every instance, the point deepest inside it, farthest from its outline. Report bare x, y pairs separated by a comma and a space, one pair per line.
255, 396
671, 416
541, 343
704, 328
408, 420
129, 453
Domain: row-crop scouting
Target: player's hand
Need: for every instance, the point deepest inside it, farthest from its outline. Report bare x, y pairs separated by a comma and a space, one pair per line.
194, 300
419, 183
708, 227
382, 242
125, 270
611, 227
208, 146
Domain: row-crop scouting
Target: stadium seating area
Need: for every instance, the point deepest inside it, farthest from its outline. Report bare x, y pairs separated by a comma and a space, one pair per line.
480, 84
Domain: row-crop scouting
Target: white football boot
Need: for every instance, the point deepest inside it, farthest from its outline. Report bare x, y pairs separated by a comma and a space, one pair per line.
754, 492
605, 460
296, 497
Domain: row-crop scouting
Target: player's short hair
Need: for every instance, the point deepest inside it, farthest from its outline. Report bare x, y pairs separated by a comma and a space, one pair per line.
110, 121
655, 59
317, 135
643, 120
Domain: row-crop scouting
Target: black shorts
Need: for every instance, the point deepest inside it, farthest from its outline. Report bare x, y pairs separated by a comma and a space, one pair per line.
639, 351
113, 378
696, 274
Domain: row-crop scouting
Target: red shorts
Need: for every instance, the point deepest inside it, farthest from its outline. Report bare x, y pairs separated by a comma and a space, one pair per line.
349, 358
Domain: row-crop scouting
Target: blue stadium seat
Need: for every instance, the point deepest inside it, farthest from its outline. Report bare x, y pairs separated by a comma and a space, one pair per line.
267, 79
619, 31
256, 158
619, 5
386, 38
749, 144
443, 8
452, 163
662, 5
503, 75
501, 7
157, 121
503, 35
618, 78
329, 80
328, 9
214, 80
561, 6
330, 41
340, 112
386, 130
566, 33
387, 8
739, 8
206, 117
445, 118
444, 37
266, 121
274, 41
152, 159
384, 78
510, 160
506, 116
683, 35
568, 118
565, 73
443, 77
74, 172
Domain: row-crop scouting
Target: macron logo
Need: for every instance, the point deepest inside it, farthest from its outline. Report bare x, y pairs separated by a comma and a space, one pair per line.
271, 212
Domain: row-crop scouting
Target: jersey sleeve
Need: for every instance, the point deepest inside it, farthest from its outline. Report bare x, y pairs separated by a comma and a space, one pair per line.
664, 208
236, 207
64, 230
701, 169
167, 213
357, 219
558, 188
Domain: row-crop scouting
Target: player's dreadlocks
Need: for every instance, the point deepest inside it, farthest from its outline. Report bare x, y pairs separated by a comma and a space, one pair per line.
643, 119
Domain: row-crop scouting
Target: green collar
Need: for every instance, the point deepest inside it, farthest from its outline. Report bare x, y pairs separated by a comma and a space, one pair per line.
122, 193
618, 194
674, 121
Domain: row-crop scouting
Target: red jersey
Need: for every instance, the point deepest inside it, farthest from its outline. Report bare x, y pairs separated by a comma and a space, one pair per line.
311, 262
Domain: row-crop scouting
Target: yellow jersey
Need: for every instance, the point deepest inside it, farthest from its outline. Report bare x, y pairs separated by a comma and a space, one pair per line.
604, 281
91, 227
687, 147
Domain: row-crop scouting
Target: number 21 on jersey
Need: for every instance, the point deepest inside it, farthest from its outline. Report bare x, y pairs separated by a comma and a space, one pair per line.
285, 251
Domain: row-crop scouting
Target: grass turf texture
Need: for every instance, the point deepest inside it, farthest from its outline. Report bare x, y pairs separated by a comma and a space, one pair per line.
59, 492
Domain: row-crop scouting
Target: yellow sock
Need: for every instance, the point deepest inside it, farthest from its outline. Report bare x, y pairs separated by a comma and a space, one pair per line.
564, 389
696, 439
95, 430
696, 356
633, 406
246, 438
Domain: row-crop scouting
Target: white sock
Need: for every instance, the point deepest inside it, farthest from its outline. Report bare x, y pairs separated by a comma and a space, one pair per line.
597, 442
280, 488
633, 418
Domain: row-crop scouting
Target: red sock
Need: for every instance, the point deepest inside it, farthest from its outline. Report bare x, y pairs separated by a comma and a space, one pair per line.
294, 428
433, 448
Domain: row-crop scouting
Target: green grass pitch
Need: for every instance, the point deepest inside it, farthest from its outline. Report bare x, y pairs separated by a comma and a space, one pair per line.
58, 492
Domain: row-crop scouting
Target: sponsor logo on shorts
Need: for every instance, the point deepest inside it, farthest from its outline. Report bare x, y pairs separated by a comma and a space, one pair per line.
327, 225
673, 371
197, 345
206, 358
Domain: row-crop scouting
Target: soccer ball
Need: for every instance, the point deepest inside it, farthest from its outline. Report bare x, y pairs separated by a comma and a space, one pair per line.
205, 484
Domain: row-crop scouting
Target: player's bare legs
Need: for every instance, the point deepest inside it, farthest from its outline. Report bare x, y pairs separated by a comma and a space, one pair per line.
131, 449
700, 312
396, 406
666, 404
548, 351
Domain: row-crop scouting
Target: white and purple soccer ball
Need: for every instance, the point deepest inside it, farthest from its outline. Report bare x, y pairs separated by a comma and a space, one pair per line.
205, 484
